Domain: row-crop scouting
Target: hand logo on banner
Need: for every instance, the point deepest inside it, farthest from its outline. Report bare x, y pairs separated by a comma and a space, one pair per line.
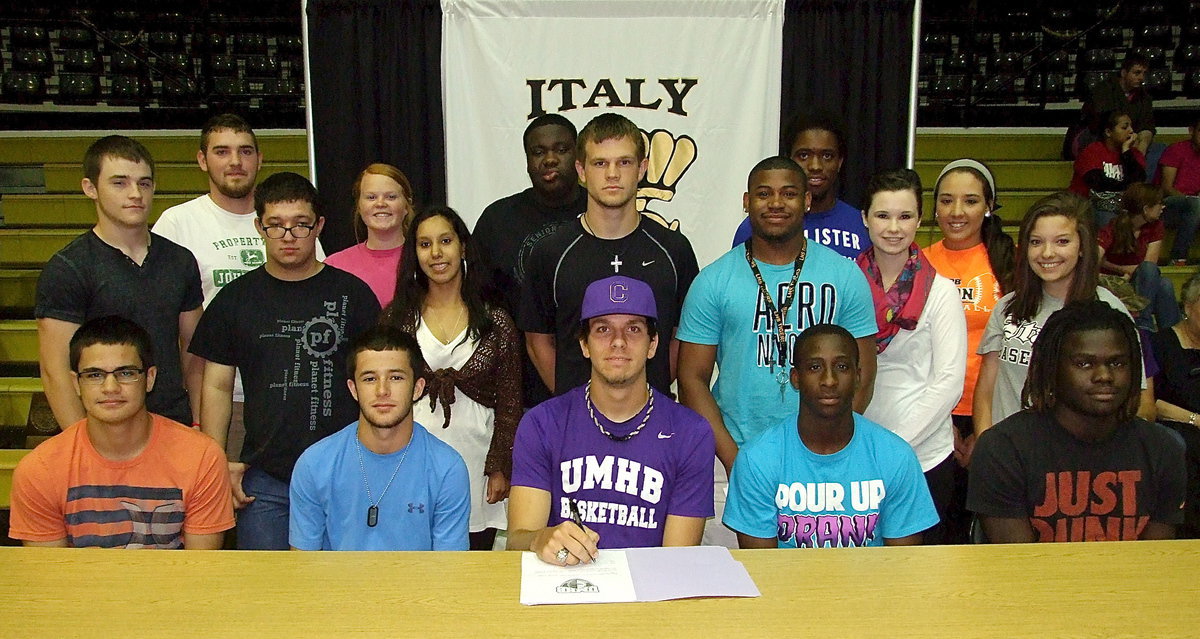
669, 158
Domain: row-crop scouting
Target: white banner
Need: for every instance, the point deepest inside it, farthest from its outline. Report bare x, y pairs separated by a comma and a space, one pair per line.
701, 79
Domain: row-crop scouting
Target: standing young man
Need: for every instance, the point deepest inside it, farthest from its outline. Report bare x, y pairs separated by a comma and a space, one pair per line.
634, 465
510, 226
383, 482
1079, 464
745, 310
610, 238
121, 477
284, 325
816, 142
218, 227
826, 477
121, 268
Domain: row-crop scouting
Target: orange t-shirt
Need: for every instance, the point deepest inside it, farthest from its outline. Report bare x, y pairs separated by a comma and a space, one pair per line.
979, 291
179, 483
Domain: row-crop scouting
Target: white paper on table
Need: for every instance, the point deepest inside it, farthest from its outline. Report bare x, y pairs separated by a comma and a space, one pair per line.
606, 580
637, 574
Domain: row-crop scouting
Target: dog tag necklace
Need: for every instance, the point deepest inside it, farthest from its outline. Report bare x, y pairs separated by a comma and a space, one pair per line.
373, 510
779, 314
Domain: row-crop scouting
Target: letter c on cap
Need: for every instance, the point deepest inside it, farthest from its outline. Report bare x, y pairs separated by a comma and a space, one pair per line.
618, 292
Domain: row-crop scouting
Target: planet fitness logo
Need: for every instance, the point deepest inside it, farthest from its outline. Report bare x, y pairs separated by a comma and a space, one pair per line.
321, 337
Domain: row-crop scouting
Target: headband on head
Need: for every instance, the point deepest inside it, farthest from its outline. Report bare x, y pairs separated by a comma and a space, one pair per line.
966, 163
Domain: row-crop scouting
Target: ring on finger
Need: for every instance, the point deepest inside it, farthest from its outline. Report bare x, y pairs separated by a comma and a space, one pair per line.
562, 555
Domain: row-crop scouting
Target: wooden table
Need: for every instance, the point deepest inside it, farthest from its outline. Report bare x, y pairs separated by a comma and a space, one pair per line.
1131, 589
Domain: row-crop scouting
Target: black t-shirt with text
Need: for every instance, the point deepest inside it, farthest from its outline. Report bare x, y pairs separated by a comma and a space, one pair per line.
1030, 467
289, 341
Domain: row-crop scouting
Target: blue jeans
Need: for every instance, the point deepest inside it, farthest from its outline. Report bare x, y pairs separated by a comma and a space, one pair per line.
1153, 155
263, 523
1148, 281
1182, 213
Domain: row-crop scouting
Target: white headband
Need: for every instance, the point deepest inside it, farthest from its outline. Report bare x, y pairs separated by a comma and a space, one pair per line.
978, 166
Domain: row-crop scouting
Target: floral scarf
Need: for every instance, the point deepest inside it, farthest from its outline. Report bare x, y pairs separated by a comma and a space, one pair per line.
901, 305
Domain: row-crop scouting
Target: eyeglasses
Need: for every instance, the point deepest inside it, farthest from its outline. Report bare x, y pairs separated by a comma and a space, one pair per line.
300, 231
95, 377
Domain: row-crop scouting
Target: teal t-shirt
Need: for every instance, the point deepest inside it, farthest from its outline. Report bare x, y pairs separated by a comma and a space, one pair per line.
725, 308
868, 491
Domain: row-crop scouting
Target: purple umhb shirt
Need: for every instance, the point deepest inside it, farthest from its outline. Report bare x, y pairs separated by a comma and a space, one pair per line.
624, 490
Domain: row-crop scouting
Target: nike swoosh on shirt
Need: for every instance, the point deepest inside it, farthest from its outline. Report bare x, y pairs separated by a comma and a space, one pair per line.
647, 263
666, 436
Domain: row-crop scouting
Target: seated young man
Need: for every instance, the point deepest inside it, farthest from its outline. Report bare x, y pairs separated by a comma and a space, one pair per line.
383, 482
121, 477
1078, 464
827, 477
1179, 171
634, 465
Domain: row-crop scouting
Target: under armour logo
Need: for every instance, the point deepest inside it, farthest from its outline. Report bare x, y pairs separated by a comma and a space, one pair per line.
420, 508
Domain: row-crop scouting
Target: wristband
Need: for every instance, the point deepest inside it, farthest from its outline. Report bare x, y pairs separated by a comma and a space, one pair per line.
1192, 419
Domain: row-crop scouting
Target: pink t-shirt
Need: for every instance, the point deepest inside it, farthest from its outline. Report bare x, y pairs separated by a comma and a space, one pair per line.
1185, 157
376, 268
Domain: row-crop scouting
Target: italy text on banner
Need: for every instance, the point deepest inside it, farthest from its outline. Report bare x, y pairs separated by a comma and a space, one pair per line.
701, 79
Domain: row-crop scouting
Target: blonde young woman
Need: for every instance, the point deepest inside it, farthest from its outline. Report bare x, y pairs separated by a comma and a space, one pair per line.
383, 210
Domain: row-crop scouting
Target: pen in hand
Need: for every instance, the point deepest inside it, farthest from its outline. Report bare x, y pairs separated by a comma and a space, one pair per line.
575, 517
575, 514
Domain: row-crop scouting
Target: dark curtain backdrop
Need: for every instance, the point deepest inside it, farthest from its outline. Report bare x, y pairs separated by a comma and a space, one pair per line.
376, 90
376, 97
853, 58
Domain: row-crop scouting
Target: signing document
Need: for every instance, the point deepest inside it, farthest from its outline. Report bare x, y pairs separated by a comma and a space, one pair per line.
637, 574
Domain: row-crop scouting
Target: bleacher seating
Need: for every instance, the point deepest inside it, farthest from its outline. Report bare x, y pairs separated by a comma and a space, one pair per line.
1080, 44
1057, 62
1189, 33
1105, 38
1191, 84
1187, 57
1150, 13
24, 87
36, 225
1004, 62
153, 56
1153, 35
960, 63
77, 88
1158, 83
1102, 59
1086, 81
1154, 55
1019, 41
